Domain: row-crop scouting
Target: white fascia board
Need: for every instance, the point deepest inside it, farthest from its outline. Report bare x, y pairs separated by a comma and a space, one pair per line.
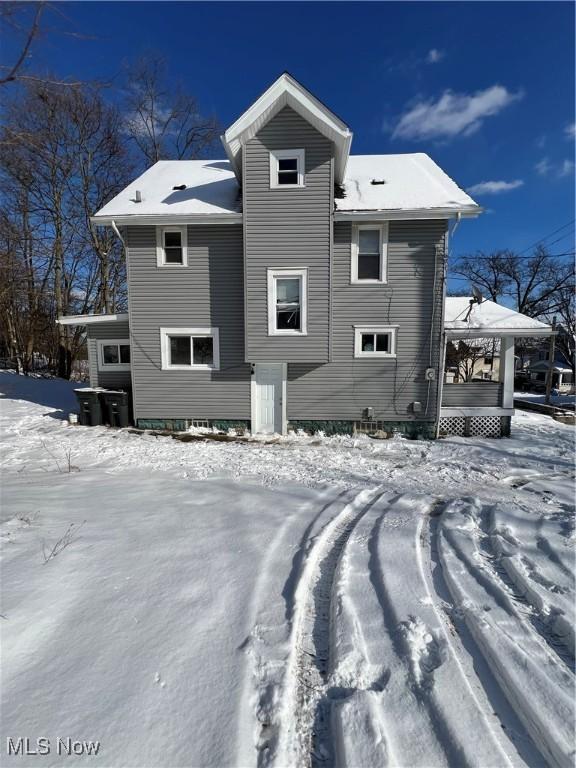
89, 319
160, 219
481, 333
414, 213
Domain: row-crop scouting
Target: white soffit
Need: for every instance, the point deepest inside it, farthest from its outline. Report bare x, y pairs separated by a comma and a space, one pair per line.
287, 92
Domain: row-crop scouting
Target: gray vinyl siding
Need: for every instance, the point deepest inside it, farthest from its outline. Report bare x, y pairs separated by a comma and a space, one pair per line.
287, 228
342, 388
206, 293
100, 378
474, 394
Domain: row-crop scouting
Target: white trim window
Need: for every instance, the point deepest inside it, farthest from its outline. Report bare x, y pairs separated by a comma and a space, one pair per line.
375, 341
114, 354
190, 349
287, 300
369, 253
287, 168
171, 247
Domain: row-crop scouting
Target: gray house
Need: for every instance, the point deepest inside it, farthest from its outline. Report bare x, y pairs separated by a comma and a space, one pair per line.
290, 284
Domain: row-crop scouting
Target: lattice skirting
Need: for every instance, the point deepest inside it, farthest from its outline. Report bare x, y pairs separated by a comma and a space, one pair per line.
475, 426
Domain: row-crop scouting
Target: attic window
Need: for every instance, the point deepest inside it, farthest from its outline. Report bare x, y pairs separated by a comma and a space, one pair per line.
287, 168
179, 187
375, 182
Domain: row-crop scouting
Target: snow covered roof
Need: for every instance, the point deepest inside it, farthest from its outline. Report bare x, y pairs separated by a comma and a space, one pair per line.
413, 186
288, 92
543, 365
488, 319
408, 183
90, 319
210, 190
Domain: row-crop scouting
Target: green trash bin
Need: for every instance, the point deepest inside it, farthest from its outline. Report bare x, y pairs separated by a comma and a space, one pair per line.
89, 405
116, 407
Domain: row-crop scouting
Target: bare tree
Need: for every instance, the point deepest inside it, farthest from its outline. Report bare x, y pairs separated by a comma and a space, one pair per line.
14, 17
566, 338
163, 121
533, 285
464, 356
61, 157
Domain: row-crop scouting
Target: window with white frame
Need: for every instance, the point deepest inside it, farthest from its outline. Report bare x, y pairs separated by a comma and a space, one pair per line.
287, 311
171, 247
287, 168
375, 341
369, 253
114, 354
190, 349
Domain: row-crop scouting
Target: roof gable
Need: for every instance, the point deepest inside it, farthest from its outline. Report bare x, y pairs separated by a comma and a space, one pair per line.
286, 91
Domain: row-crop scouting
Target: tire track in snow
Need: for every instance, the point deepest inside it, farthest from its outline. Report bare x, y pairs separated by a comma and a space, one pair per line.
303, 729
462, 644
517, 655
540, 622
264, 670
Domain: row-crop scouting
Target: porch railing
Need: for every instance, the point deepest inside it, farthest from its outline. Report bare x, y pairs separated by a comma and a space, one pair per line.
474, 394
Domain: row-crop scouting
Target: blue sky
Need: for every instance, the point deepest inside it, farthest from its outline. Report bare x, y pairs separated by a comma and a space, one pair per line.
487, 88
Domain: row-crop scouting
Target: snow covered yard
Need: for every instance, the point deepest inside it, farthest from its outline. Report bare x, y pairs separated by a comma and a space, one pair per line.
314, 601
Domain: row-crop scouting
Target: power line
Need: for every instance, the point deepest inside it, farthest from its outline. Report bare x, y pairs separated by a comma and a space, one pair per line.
516, 256
541, 241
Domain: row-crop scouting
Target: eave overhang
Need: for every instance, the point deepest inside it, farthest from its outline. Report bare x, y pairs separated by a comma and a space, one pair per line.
90, 319
413, 213
163, 219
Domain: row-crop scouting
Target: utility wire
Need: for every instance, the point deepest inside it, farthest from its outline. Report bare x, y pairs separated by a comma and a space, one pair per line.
541, 241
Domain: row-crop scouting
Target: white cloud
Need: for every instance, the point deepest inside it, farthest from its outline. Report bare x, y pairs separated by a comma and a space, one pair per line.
435, 55
570, 131
453, 114
566, 168
544, 167
494, 187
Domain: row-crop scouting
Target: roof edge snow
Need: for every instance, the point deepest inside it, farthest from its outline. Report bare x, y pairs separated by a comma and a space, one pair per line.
89, 319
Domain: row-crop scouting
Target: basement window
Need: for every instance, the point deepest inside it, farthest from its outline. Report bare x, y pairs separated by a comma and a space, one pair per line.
375, 341
114, 354
286, 168
190, 348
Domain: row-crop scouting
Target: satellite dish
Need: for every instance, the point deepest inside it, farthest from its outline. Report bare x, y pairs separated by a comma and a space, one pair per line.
477, 293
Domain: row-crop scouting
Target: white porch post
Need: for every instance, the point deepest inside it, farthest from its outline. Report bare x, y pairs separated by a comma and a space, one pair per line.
507, 370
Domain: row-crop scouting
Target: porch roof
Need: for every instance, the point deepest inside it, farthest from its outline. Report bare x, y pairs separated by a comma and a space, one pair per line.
488, 320
89, 319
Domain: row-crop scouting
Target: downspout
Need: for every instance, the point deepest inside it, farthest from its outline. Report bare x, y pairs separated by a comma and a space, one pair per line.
117, 233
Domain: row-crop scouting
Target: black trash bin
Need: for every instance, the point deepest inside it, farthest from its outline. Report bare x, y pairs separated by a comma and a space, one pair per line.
116, 406
90, 410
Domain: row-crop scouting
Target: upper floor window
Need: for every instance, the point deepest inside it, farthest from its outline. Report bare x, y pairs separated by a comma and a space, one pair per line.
113, 353
287, 309
171, 247
369, 253
190, 348
375, 341
287, 168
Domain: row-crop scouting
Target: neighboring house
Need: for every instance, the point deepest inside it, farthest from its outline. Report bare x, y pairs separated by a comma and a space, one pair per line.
469, 361
290, 284
562, 377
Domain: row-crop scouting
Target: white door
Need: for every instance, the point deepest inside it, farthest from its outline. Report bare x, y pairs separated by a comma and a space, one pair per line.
267, 408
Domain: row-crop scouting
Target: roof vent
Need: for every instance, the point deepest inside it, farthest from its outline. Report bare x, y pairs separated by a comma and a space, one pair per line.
378, 181
138, 196
180, 187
